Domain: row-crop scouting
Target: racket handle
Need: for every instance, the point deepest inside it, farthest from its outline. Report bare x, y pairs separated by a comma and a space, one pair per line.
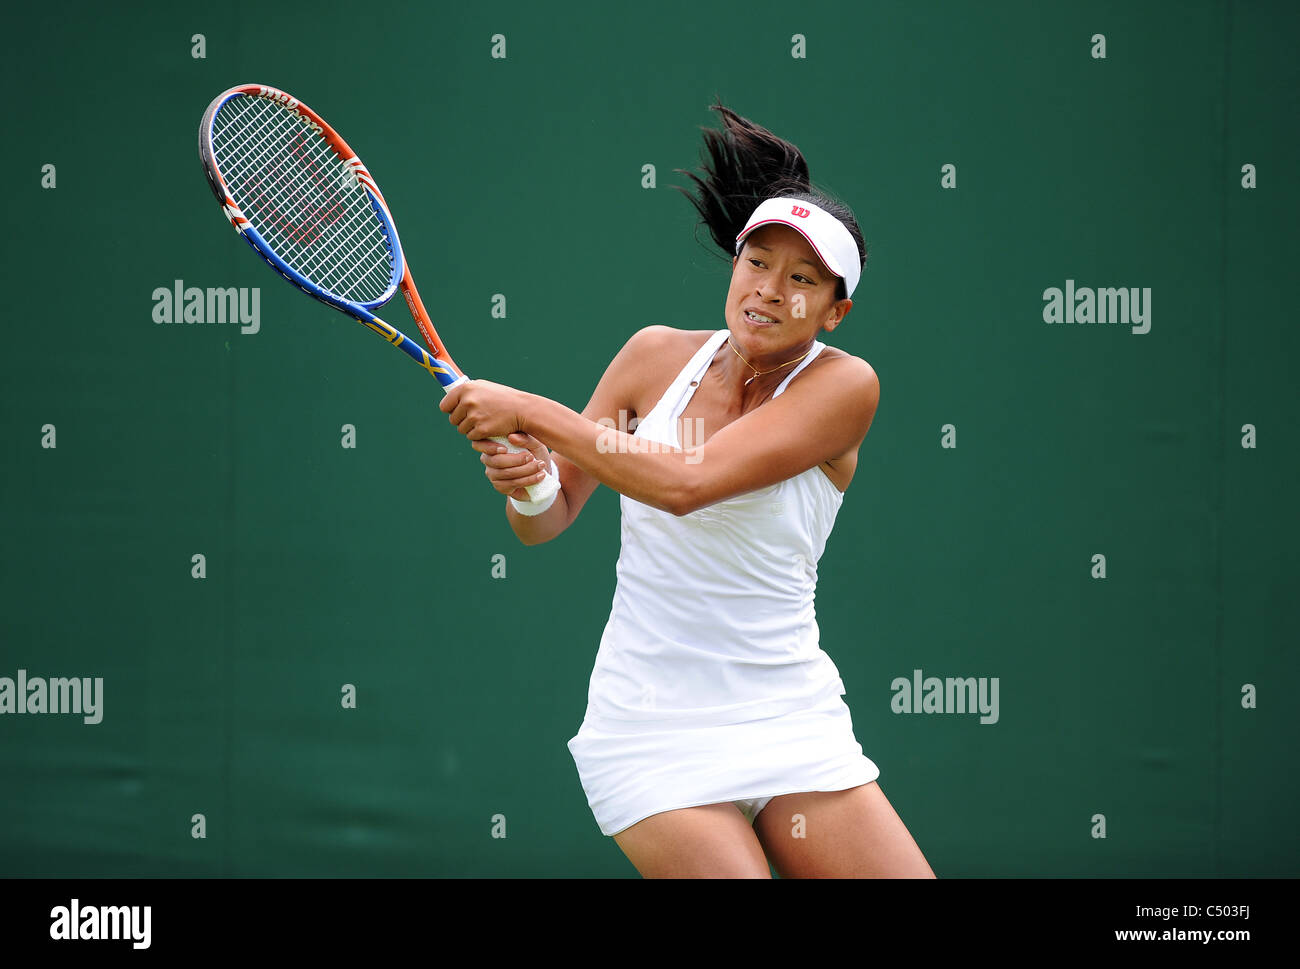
544, 489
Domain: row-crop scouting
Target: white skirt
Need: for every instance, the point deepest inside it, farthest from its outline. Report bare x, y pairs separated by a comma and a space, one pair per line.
633, 769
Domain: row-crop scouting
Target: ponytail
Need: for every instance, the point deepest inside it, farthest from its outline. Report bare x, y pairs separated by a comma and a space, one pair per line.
743, 165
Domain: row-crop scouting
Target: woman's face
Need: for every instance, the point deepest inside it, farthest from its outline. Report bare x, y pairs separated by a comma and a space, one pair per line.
781, 295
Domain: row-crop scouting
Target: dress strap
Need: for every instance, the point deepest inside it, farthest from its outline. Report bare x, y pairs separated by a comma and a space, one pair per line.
661, 423
703, 357
681, 391
817, 348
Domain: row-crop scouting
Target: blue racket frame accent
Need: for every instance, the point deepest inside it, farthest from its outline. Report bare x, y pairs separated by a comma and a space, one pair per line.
361, 312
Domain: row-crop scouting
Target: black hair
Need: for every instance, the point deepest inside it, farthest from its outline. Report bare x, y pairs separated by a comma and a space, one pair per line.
743, 165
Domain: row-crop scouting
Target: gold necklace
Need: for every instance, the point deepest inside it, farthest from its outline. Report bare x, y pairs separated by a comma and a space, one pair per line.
765, 372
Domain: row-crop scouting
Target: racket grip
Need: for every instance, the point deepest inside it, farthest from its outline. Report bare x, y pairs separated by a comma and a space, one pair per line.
545, 489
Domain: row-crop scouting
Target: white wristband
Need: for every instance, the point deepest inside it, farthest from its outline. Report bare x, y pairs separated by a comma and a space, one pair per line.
531, 508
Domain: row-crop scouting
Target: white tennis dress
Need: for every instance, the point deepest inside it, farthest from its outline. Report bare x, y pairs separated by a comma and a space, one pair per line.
710, 684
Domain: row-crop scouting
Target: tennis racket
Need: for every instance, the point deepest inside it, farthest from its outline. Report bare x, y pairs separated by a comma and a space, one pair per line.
302, 199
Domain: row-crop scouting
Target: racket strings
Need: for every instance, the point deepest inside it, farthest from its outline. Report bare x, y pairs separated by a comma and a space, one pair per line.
299, 198
302, 198
285, 212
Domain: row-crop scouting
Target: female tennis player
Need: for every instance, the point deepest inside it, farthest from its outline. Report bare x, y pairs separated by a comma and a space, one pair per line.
715, 738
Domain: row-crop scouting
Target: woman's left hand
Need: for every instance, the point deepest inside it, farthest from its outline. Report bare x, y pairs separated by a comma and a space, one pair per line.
481, 409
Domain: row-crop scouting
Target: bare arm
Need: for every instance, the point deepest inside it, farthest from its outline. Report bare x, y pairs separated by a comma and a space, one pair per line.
618, 390
820, 417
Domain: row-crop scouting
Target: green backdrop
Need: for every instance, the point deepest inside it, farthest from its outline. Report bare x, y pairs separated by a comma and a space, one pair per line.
1144, 725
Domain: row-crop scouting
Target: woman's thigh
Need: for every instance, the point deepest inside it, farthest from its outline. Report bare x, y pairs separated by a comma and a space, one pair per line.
838, 834
712, 841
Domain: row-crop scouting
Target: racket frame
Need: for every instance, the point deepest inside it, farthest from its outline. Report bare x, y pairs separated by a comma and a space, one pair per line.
439, 363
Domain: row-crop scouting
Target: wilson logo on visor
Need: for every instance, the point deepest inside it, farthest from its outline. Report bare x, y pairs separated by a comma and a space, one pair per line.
802, 213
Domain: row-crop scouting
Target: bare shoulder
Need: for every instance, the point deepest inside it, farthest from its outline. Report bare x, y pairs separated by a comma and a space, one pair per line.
652, 358
659, 339
841, 391
852, 374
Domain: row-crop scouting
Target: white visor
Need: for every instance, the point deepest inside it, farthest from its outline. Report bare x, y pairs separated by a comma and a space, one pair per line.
827, 235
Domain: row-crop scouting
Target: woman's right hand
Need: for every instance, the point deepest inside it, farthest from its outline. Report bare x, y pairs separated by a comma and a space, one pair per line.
512, 472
